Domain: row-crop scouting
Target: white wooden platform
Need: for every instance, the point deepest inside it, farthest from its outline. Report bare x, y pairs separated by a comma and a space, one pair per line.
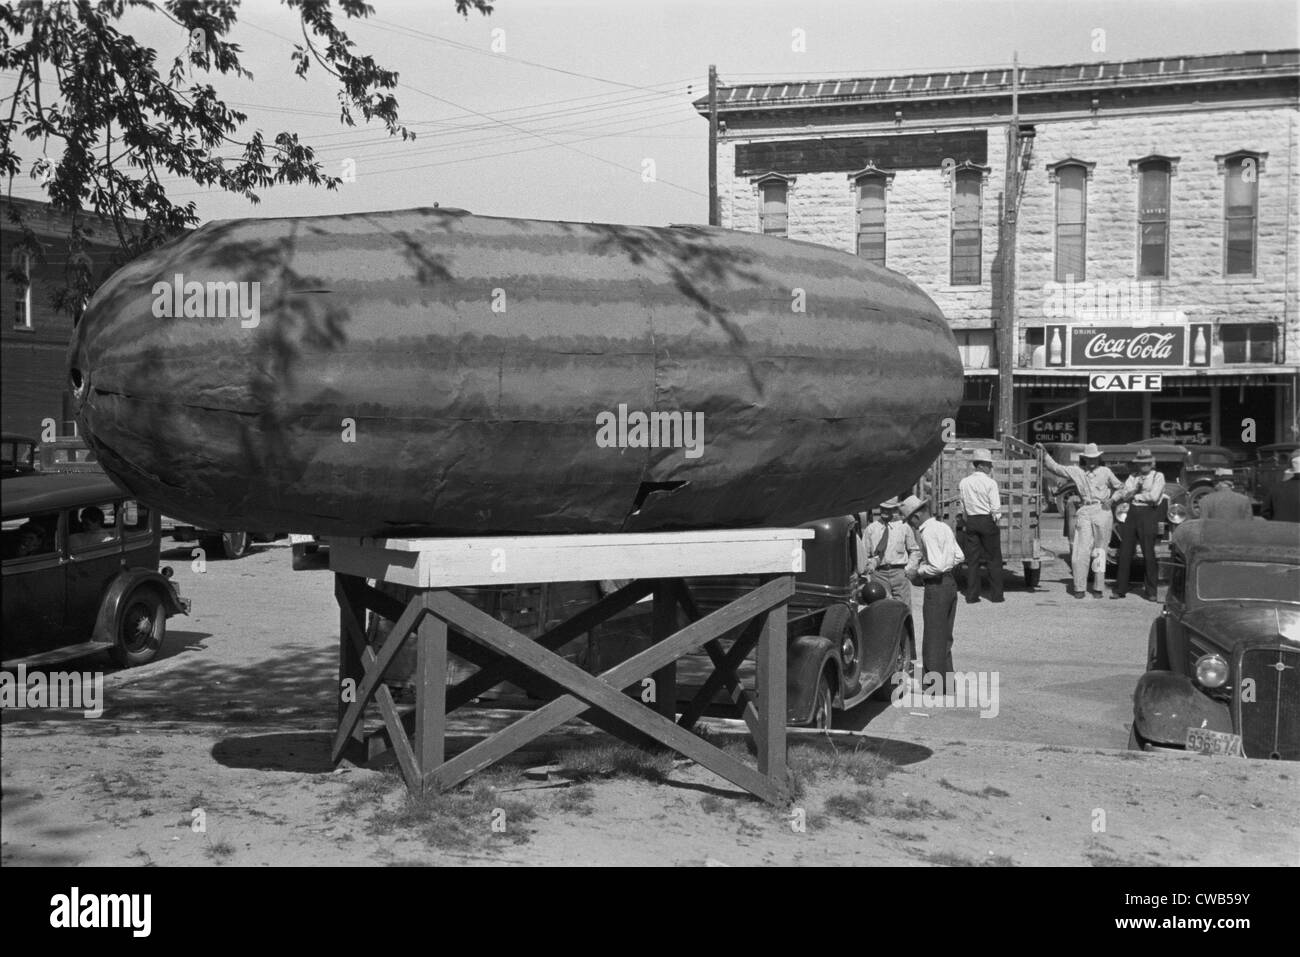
460, 562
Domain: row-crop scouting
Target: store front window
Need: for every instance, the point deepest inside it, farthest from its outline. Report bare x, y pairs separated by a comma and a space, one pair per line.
1054, 419
976, 419
1247, 417
1183, 416
1114, 419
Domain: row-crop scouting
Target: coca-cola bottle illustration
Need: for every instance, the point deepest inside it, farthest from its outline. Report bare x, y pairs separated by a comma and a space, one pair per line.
1198, 347
1055, 355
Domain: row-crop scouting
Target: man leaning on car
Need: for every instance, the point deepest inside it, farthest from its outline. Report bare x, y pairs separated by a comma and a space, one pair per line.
1095, 485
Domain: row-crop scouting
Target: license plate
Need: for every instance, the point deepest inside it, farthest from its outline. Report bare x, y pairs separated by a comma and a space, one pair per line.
1205, 741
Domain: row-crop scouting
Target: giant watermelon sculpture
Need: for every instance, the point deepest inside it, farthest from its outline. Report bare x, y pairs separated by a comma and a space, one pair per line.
431, 372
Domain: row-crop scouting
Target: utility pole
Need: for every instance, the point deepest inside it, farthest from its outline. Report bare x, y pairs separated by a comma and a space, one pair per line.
1006, 329
714, 217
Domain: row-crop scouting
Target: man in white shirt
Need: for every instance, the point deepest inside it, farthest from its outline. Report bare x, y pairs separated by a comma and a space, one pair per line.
983, 507
1143, 490
885, 549
1096, 486
940, 554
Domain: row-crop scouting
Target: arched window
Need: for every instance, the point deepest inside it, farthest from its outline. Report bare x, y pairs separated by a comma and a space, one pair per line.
1153, 217
967, 236
773, 204
1240, 210
21, 277
1071, 219
871, 217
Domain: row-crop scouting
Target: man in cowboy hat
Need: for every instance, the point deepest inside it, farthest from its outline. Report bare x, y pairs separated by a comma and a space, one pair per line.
1225, 501
1282, 503
885, 549
1143, 491
940, 554
1096, 486
983, 507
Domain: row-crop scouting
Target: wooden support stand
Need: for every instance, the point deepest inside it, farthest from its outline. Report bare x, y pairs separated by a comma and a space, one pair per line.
656, 563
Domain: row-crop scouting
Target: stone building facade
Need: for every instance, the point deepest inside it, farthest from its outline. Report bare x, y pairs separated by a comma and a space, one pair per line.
34, 335
1153, 208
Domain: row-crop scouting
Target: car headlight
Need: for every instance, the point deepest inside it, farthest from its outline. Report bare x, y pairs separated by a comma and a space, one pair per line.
1178, 514
1211, 671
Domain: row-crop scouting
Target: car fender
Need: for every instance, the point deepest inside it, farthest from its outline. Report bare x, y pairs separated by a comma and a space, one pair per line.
886, 620
1165, 705
806, 656
114, 600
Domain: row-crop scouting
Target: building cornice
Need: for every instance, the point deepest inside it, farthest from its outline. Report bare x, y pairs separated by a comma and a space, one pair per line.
1034, 82
859, 128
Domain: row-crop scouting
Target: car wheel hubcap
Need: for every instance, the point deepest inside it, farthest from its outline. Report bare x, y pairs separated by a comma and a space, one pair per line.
138, 628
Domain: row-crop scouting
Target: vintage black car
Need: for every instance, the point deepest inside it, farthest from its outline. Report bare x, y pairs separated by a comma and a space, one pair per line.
1223, 658
844, 646
80, 565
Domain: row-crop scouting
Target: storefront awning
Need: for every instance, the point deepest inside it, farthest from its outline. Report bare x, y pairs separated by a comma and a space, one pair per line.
1255, 375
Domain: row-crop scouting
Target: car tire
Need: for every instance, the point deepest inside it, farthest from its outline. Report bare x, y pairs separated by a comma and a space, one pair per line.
823, 717
140, 629
1134, 742
904, 659
837, 626
1194, 500
234, 544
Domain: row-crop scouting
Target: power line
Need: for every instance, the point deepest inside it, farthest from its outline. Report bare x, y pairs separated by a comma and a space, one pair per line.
411, 31
526, 132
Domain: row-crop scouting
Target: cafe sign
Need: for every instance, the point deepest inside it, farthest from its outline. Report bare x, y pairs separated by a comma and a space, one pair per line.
1112, 347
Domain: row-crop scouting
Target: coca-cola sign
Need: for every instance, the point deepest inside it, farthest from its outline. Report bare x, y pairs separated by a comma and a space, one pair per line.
1105, 347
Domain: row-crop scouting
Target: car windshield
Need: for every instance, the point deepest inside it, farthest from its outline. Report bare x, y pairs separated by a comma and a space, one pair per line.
1213, 460
1252, 581
17, 455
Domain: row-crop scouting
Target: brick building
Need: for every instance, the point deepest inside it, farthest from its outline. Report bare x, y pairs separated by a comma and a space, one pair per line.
34, 336
1153, 223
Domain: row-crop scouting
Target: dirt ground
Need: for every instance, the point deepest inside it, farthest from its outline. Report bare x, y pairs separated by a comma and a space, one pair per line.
218, 753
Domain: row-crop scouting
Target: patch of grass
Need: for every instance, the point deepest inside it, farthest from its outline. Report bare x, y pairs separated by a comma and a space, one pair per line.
1101, 857
988, 792
219, 851
465, 817
999, 860
1054, 748
367, 791
615, 761
742, 749
861, 765
916, 809
576, 800
949, 859
712, 804
121, 784
907, 835
852, 807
